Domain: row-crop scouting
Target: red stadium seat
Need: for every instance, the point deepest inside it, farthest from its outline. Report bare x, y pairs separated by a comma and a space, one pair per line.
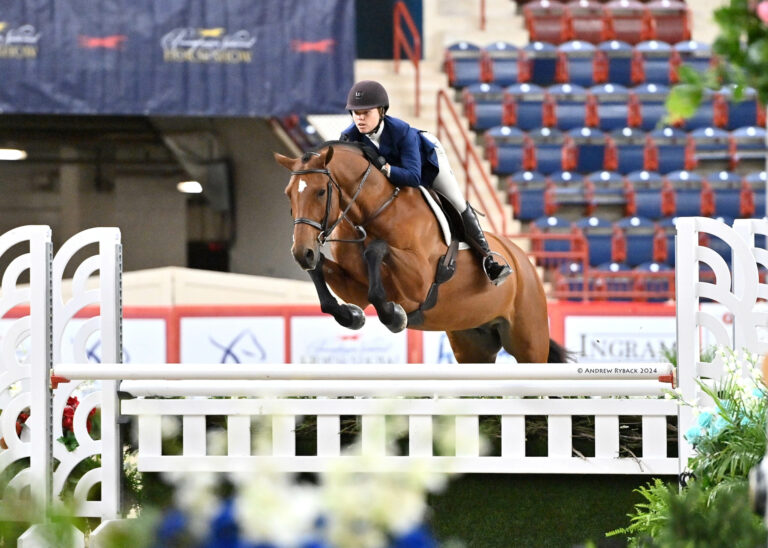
628, 21
670, 21
546, 21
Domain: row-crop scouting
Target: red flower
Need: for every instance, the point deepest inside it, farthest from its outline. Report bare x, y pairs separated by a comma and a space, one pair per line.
68, 415
20, 420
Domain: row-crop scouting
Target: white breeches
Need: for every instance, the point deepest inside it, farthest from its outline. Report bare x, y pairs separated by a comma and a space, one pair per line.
445, 182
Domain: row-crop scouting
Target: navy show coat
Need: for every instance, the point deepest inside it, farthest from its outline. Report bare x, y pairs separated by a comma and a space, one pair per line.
411, 157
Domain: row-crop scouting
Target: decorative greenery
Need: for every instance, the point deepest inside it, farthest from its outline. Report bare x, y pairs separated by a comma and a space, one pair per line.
729, 439
742, 50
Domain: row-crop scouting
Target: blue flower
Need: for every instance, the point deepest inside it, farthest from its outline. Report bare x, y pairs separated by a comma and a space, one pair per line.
172, 527
419, 537
693, 434
704, 419
719, 425
224, 532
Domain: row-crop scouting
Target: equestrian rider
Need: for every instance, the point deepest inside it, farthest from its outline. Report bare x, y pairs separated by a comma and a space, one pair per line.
409, 157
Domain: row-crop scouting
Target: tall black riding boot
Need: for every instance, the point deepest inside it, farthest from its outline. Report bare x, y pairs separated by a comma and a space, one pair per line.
473, 233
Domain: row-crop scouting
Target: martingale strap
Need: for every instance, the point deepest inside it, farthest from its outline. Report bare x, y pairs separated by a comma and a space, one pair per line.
446, 268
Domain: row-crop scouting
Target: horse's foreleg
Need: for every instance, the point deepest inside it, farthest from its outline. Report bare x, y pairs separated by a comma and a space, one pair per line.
347, 315
391, 314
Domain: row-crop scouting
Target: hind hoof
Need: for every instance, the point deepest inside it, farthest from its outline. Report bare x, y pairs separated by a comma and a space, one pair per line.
399, 319
351, 316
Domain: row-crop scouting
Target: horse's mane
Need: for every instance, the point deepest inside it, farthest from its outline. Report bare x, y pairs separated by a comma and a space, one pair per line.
307, 156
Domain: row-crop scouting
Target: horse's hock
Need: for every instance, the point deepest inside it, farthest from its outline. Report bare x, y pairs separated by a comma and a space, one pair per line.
421, 397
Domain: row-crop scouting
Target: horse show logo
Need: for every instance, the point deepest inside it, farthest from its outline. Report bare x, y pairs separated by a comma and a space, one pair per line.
18, 42
213, 45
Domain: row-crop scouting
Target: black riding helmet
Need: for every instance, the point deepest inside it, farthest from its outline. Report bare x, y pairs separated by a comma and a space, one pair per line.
367, 94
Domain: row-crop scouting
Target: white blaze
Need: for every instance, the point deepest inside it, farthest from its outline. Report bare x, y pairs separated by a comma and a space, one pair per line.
302, 185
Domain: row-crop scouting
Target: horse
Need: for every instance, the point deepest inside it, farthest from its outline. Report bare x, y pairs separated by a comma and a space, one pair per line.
386, 245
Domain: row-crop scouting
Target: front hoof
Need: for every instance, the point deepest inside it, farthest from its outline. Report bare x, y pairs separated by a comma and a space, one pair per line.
399, 319
351, 316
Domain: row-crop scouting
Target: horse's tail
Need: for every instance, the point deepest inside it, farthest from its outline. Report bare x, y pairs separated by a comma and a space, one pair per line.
559, 354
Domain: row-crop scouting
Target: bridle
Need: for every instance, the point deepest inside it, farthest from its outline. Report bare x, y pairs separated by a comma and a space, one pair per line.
322, 226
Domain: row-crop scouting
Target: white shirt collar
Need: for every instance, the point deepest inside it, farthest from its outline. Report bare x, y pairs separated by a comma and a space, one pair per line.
376, 136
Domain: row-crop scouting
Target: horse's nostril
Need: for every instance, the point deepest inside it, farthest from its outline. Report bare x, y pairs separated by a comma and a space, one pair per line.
309, 256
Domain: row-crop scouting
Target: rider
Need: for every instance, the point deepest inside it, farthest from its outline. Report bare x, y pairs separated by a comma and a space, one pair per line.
411, 158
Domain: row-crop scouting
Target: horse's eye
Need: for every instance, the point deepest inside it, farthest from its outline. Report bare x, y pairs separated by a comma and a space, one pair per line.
321, 193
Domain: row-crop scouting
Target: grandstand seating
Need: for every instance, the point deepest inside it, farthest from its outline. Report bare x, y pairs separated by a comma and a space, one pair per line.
756, 181
670, 20
539, 64
483, 105
654, 62
586, 20
463, 64
743, 111
605, 189
696, 55
650, 195
501, 64
584, 150
712, 112
689, 194
628, 21
648, 105
625, 150
576, 63
505, 148
614, 62
611, 105
712, 148
567, 190
599, 233
523, 106
526, 193
545, 151
669, 149
546, 21
747, 143
732, 195
553, 226
654, 285
635, 241
567, 106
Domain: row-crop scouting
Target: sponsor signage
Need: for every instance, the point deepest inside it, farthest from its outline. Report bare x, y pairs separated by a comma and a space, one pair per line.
237, 339
176, 57
620, 338
319, 339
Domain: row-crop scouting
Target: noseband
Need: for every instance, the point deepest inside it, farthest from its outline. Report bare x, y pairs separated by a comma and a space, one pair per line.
322, 226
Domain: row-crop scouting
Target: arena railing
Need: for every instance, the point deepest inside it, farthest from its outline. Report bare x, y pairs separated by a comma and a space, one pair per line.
413, 52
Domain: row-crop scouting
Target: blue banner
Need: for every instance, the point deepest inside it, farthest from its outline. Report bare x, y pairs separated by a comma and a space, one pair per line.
176, 57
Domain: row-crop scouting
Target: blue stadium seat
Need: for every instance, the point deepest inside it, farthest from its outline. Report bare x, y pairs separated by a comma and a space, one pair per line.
569, 282
730, 193
670, 150
696, 55
618, 58
586, 150
541, 62
524, 105
688, 186
504, 148
712, 112
748, 145
628, 21
556, 226
503, 60
526, 192
626, 150
565, 107
483, 105
651, 195
650, 100
599, 234
612, 105
547, 151
567, 190
463, 64
711, 147
745, 111
663, 286
576, 63
756, 181
638, 235
610, 278
606, 189
654, 63
667, 226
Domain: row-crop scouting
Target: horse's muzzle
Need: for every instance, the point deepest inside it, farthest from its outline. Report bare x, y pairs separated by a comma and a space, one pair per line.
307, 257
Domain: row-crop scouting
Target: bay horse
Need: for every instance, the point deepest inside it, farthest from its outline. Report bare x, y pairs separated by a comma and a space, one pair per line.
386, 244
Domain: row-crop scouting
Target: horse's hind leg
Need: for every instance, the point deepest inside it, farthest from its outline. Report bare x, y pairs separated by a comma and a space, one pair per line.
391, 314
477, 345
347, 315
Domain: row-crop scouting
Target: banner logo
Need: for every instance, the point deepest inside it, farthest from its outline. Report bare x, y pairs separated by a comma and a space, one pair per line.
321, 46
18, 42
102, 42
214, 45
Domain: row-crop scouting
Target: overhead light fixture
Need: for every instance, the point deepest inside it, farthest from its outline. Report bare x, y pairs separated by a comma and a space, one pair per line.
189, 187
12, 154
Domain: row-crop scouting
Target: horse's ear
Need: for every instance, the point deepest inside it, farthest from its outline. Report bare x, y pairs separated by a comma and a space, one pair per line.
284, 161
328, 155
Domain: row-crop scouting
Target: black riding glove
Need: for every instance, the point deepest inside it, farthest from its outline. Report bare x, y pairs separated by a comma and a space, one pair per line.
374, 157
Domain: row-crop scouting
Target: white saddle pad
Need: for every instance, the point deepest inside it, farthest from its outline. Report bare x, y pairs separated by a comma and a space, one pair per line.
441, 219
